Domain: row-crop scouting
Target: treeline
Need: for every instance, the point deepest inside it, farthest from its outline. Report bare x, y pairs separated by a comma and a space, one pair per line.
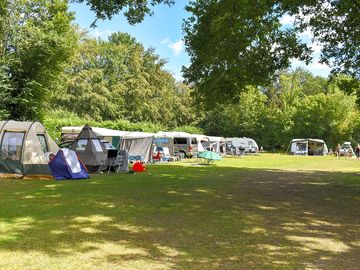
296, 105
50, 70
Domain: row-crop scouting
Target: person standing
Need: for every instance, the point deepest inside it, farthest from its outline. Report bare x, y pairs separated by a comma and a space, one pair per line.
357, 151
338, 149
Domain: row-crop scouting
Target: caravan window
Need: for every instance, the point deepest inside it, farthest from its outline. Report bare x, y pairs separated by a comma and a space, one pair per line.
193, 141
301, 146
42, 140
97, 145
11, 145
180, 140
81, 145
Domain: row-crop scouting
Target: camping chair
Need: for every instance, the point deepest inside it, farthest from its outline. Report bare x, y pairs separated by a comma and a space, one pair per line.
157, 157
102, 166
115, 164
167, 156
120, 163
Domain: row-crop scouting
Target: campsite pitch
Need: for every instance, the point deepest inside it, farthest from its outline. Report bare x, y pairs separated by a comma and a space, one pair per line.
256, 212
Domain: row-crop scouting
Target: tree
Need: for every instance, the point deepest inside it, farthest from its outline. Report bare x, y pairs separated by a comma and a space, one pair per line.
236, 43
330, 117
119, 79
134, 11
37, 39
349, 85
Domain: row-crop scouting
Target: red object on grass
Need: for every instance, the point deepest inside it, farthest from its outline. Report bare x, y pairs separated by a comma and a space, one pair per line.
138, 167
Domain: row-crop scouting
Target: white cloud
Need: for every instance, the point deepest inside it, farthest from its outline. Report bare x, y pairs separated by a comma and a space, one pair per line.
287, 19
177, 47
316, 47
315, 67
318, 67
103, 34
307, 34
165, 41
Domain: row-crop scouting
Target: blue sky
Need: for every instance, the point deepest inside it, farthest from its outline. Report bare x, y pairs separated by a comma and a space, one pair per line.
163, 32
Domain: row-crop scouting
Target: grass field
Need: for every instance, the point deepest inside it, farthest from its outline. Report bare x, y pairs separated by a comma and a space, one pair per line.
258, 212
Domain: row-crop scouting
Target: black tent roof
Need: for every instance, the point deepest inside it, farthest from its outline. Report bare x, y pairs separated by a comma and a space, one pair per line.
87, 133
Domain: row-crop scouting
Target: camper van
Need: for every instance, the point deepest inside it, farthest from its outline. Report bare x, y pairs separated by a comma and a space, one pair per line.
188, 146
182, 143
247, 145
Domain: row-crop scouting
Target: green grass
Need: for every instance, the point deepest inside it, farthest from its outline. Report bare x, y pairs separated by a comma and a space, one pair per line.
257, 212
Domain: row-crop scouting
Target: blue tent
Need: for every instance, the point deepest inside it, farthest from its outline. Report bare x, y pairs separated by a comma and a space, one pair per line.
67, 165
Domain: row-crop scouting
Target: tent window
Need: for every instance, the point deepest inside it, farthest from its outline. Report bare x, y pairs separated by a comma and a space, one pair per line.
43, 143
12, 145
180, 140
193, 141
81, 144
97, 145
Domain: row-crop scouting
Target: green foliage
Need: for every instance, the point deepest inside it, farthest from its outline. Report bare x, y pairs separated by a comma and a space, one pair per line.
190, 129
5, 92
37, 40
233, 44
54, 120
119, 79
297, 105
237, 43
348, 84
331, 117
134, 11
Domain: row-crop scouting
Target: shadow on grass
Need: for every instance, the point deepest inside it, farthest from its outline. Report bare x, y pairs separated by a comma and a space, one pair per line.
188, 217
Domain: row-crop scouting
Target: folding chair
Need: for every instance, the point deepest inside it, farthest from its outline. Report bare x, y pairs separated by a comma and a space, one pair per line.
103, 166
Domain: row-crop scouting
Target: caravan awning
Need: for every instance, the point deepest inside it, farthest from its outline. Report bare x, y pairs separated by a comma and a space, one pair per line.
102, 132
216, 139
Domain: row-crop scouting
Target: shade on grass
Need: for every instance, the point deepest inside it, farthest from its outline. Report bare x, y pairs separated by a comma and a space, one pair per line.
260, 212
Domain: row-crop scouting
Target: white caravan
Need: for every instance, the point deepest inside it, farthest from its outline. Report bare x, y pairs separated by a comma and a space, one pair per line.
248, 145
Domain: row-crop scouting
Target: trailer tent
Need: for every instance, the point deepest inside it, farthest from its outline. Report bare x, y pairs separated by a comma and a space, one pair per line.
308, 147
24, 147
89, 148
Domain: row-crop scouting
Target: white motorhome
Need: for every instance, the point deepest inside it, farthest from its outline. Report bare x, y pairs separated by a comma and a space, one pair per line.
247, 145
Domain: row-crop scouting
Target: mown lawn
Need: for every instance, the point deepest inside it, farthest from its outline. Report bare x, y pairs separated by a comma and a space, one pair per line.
258, 212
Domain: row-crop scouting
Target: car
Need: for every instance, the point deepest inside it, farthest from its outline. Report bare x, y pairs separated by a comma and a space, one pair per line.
346, 149
66, 144
107, 144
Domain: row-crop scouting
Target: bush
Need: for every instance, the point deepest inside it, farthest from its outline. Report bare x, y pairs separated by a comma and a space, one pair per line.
57, 119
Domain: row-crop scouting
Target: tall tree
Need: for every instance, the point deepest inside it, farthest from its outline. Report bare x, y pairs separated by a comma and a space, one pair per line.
120, 79
38, 39
235, 43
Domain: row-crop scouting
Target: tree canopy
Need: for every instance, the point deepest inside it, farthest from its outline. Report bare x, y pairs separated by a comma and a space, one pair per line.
37, 39
119, 78
134, 11
236, 43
